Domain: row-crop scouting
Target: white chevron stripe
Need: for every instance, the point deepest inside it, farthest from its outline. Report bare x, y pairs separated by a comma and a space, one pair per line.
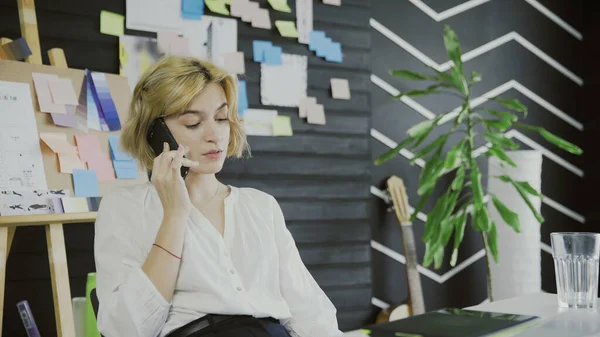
546, 248
448, 12
479, 100
555, 18
512, 36
409, 155
379, 303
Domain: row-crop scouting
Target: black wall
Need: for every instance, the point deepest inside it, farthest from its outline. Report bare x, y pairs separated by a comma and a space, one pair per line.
510, 61
321, 176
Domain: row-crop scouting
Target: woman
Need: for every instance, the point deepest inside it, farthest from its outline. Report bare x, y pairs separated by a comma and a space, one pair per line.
194, 257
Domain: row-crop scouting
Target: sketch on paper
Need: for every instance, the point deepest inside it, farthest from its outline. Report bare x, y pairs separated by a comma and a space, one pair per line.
20, 202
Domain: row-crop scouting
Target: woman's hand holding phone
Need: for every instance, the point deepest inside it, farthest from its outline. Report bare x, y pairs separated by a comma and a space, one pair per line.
166, 177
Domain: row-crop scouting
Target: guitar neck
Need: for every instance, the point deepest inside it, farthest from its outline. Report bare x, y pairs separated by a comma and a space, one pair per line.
412, 272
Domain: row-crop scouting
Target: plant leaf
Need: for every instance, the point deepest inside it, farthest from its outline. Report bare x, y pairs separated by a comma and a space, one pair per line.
430, 251
500, 154
475, 77
528, 188
563, 144
498, 124
459, 233
432, 225
476, 185
438, 257
482, 220
458, 180
493, 241
523, 190
411, 75
453, 47
420, 129
512, 104
459, 81
430, 173
439, 142
511, 218
500, 140
391, 153
421, 204
453, 155
424, 92
503, 114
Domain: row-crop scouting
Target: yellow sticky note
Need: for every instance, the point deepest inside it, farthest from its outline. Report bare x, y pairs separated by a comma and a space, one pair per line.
280, 5
287, 28
57, 142
70, 161
217, 6
282, 126
75, 204
112, 23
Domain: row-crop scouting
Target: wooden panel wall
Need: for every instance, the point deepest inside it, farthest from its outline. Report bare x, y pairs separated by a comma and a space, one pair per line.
320, 176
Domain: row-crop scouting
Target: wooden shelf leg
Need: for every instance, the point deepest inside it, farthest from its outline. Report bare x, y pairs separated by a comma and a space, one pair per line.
4, 248
61, 291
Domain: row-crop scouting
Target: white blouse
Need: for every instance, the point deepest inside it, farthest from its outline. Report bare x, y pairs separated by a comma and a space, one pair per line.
253, 269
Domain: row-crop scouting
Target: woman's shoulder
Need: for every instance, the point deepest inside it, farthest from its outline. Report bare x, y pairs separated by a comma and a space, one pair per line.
250, 194
126, 197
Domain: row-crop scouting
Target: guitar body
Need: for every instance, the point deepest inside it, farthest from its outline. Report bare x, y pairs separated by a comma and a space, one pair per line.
415, 303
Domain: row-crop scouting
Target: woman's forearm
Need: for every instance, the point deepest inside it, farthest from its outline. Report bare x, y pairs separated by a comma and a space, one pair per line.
161, 267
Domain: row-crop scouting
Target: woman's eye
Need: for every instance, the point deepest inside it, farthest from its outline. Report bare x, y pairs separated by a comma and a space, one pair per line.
222, 119
193, 126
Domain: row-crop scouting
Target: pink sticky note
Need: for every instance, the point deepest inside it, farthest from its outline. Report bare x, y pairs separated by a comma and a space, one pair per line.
102, 164
70, 161
234, 62
42, 90
249, 10
180, 47
304, 105
88, 145
316, 114
62, 91
261, 19
57, 142
238, 8
165, 39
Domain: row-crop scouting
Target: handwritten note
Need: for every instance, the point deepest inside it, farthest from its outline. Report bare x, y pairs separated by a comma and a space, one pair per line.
112, 23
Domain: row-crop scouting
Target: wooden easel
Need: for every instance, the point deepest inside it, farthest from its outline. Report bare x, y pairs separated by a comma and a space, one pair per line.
57, 255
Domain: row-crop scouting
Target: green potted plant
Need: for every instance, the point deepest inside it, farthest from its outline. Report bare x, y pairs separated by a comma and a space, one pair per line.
464, 197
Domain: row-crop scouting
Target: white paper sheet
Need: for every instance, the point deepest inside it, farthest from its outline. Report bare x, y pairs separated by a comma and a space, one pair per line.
285, 84
20, 202
211, 38
21, 165
154, 15
137, 55
259, 122
304, 20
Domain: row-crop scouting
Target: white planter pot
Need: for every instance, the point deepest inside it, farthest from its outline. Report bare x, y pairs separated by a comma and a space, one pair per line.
518, 270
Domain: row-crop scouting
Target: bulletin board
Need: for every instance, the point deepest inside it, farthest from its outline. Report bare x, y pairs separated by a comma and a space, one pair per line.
14, 71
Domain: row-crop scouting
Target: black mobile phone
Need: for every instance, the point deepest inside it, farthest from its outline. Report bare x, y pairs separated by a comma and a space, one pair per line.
159, 134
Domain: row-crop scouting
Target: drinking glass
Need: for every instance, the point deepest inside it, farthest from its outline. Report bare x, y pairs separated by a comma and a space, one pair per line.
576, 257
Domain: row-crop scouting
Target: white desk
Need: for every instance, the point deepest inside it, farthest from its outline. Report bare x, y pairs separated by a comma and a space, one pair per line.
553, 322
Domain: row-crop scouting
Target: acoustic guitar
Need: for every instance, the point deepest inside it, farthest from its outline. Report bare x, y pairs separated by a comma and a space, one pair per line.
415, 304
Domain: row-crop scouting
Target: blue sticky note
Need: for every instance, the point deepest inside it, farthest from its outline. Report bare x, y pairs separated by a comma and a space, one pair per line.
314, 39
115, 149
124, 164
334, 53
126, 173
192, 9
258, 48
242, 97
323, 47
86, 183
273, 56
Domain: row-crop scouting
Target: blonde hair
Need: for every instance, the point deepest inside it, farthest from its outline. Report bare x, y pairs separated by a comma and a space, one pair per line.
168, 87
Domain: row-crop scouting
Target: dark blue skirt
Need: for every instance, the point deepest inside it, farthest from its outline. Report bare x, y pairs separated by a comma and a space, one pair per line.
240, 326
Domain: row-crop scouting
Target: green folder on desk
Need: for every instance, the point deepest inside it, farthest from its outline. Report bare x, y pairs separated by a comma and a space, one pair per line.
451, 322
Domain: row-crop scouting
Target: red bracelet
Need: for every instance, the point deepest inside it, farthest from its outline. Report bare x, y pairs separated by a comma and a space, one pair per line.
175, 256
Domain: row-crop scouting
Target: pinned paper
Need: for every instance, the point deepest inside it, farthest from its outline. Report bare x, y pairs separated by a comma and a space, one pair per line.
103, 166
273, 56
340, 88
74, 205
287, 28
261, 19
115, 149
280, 5
112, 23
192, 9
88, 145
93, 117
44, 96
164, 40
258, 48
67, 120
168, 43
316, 114
180, 47
239, 7
57, 142
70, 161
304, 20
282, 126
234, 62
325, 47
62, 91
103, 99
333, 2
242, 97
259, 122
285, 84
85, 183
304, 106
250, 9
124, 165
217, 6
